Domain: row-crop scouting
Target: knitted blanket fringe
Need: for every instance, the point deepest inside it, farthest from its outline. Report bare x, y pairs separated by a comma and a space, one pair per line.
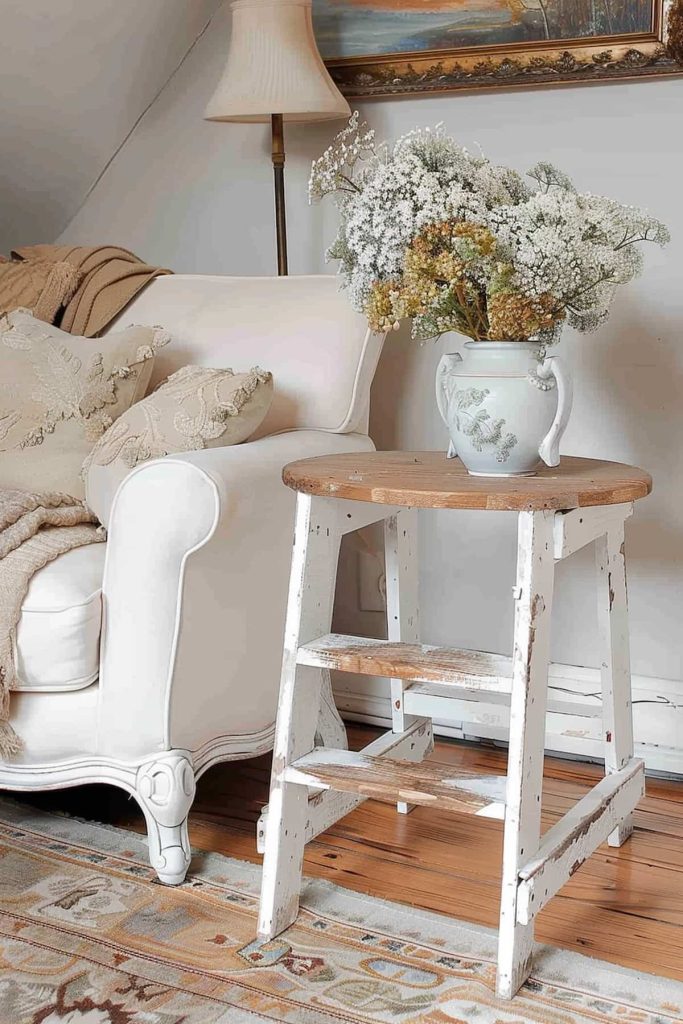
34, 530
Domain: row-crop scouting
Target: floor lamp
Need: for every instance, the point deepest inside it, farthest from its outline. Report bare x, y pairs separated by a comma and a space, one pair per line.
275, 73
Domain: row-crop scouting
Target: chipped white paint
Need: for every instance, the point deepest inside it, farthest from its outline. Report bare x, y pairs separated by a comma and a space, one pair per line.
573, 720
432, 784
577, 835
530, 659
331, 731
312, 788
400, 553
354, 515
435, 700
341, 518
581, 526
490, 786
615, 670
329, 806
309, 613
320, 524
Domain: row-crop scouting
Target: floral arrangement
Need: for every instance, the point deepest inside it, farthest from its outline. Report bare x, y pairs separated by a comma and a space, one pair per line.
431, 232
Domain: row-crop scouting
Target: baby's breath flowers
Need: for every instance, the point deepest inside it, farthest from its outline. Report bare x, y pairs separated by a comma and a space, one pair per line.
435, 234
333, 171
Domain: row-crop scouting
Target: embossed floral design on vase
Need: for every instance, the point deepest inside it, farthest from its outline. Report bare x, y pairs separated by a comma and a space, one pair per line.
484, 433
433, 234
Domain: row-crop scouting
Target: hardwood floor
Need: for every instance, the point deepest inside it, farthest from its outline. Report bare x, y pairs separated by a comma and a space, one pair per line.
623, 905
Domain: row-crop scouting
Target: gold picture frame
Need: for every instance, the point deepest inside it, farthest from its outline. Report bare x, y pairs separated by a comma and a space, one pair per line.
600, 58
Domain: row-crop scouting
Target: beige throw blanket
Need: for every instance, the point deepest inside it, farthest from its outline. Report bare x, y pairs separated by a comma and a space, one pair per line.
34, 529
109, 278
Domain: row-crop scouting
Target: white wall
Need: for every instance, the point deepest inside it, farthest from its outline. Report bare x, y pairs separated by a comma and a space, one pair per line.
76, 74
197, 197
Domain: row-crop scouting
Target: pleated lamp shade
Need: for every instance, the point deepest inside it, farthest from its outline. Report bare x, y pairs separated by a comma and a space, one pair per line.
274, 67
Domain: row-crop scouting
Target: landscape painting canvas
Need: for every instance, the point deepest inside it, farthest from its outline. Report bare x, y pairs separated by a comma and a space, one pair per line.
380, 47
353, 28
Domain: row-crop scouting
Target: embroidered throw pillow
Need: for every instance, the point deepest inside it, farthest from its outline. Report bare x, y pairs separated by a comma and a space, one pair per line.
59, 393
39, 285
196, 407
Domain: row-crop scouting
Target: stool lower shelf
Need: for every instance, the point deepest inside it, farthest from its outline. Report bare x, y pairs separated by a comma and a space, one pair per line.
377, 778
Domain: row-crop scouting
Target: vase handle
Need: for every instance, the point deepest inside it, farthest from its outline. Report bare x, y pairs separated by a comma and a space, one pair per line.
446, 364
549, 448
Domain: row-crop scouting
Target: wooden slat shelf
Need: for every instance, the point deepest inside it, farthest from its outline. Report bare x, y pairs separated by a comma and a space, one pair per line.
475, 670
435, 700
427, 783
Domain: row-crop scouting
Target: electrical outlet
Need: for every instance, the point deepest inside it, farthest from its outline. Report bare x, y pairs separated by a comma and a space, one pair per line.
371, 583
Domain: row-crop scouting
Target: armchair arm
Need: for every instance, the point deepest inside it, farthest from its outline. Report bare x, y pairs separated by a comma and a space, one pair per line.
194, 596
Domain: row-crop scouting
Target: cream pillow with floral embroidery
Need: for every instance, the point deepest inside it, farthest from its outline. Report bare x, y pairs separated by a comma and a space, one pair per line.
59, 393
196, 407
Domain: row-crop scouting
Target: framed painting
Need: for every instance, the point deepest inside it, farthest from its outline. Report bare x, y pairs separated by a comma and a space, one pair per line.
377, 48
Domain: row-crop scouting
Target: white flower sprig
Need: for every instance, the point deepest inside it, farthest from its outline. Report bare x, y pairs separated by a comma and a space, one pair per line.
333, 171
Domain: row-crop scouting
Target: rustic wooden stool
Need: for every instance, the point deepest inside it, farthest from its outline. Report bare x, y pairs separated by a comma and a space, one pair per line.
316, 780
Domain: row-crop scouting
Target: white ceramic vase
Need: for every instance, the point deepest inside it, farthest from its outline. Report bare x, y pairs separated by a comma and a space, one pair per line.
506, 409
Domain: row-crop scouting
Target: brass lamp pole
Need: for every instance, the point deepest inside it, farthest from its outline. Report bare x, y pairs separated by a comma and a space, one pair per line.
274, 73
278, 158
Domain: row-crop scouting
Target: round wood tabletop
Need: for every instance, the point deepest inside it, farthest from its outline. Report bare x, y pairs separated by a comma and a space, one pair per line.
430, 480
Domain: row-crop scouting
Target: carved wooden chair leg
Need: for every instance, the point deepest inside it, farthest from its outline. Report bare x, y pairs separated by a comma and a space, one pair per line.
531, 655
401, 571
309, 614
165, 788
617, 716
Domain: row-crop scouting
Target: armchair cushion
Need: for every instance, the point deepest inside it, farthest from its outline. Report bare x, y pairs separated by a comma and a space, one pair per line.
58, 635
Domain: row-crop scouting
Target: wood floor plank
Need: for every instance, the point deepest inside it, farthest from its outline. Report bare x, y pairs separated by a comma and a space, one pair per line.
590, 924
624, 905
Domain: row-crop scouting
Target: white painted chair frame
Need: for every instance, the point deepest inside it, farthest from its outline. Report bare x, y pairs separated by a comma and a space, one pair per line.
303, 805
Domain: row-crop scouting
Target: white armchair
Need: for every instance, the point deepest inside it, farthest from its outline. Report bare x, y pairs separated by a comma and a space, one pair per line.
145, 661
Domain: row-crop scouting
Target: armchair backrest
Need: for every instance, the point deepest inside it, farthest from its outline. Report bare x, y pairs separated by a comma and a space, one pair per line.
303, 329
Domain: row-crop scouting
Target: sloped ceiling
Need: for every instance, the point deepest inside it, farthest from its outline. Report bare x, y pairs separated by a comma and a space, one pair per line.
75, 75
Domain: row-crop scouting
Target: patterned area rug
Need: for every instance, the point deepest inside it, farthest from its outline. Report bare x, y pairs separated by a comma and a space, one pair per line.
88, 937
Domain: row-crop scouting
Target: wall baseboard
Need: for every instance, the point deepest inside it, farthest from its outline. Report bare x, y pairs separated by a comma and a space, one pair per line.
574, 724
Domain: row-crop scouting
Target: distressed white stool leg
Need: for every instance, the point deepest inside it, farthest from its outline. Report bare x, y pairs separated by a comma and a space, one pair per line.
309, 615
531, 655
617, 715
400, 555
331, 731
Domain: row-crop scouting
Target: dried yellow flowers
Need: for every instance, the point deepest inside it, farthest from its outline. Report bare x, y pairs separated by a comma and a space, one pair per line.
453, 280
514, 317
